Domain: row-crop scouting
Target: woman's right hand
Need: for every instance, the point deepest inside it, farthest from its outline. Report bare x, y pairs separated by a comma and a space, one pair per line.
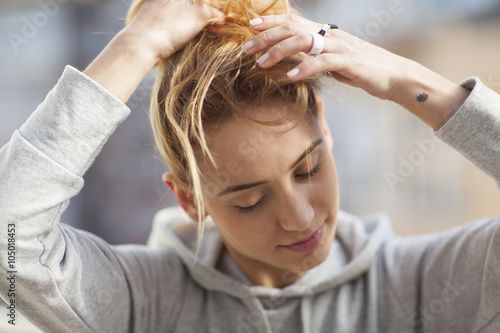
165, 26
160, 28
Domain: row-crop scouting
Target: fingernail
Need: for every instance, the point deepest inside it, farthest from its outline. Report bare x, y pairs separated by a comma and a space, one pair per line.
256, 21
248, 46
262, 59
293, 72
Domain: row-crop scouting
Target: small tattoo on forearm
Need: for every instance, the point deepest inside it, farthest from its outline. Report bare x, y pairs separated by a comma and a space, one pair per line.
422, 97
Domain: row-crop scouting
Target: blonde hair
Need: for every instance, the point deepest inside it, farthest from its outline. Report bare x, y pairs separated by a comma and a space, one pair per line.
211, 80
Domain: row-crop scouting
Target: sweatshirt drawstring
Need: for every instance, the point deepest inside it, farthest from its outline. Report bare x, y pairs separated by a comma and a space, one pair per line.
306, 313
261, 325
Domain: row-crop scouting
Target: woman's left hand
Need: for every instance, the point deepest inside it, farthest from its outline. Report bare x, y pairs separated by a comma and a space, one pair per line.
348, 58
358, 63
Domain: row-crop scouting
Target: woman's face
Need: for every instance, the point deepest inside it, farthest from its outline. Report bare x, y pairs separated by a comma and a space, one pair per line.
274, 195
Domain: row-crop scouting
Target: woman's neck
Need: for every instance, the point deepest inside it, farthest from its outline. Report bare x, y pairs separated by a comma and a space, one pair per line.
262, 274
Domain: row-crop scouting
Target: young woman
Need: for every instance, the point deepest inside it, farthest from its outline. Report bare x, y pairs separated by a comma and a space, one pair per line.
258, 243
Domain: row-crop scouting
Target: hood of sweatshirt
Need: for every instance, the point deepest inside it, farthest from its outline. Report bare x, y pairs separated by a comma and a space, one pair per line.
356, 243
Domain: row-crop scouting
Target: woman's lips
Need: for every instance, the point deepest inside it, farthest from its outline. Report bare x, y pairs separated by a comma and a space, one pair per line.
308, 244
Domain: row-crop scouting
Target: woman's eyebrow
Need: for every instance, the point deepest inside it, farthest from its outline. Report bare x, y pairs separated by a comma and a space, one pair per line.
308, 151
241, 187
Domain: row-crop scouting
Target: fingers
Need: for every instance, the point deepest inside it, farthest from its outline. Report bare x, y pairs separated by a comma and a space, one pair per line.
207, 10
322, 63
211, 9
276, 28
287, 35
270, 21
347, 58
300, 43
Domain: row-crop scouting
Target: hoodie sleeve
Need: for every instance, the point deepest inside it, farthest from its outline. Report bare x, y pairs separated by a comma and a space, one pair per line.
474, 130
450, 281
60, 278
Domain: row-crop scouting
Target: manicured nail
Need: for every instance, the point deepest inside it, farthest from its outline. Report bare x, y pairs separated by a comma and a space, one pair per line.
256, 21
293, 72
248, 46
262, 59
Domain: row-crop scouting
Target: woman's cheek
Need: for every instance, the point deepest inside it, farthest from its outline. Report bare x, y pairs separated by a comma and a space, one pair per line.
329, 183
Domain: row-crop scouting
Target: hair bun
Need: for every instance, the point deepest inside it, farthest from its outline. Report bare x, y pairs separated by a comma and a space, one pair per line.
234, 10
248, 9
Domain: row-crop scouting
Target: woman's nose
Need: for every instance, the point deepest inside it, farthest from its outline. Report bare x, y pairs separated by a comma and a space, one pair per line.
294, 212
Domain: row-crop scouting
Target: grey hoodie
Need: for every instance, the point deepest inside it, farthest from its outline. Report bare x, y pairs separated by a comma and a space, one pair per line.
68, 280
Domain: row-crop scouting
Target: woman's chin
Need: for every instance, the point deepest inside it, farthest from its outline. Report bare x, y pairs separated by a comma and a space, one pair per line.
317, 255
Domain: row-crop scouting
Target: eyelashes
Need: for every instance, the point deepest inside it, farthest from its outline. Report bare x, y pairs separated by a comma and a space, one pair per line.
253, 207
311, 173
259, 203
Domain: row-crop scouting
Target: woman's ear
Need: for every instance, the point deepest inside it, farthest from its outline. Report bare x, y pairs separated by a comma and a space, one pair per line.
322, 122
183, 196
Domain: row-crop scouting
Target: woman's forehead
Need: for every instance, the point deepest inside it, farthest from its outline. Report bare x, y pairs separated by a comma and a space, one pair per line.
243, 152
234, 135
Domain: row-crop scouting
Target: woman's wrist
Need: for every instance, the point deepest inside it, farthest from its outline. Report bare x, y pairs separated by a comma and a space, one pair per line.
429, 96
123, 64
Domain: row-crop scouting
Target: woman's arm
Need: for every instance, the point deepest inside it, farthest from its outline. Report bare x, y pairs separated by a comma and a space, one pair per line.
158, 31
60, 278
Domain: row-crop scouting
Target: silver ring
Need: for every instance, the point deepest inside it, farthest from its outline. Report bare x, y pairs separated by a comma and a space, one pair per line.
318, 43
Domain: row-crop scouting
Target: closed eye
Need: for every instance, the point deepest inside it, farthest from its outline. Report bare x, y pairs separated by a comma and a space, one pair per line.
250, 209
311, 173
259, 203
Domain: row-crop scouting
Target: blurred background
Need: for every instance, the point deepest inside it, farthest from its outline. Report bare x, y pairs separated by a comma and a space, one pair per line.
386, 158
